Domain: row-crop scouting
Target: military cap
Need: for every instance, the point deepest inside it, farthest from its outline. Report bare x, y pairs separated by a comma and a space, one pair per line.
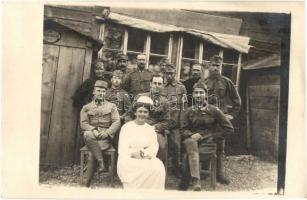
200, 84
122, 56
216, 59
102, 84
118, 73
170, 68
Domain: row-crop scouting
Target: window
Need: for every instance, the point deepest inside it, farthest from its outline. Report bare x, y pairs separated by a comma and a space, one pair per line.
159, 48
190, 49
131, 41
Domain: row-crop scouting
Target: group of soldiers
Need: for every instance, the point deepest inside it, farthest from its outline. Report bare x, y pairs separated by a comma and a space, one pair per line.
185, 115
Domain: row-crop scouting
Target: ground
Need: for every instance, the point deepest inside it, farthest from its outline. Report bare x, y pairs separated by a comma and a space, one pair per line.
244, 172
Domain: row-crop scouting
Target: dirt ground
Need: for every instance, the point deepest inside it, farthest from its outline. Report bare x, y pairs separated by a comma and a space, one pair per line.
245, 173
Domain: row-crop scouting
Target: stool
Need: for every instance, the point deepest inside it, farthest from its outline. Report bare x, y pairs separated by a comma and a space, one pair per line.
208, 152
110, 152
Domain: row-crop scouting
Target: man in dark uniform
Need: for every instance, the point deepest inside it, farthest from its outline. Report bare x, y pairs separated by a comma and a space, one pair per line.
222, 91
138, 81
176, 94
115, 94
196, 71
84, 93
99, 121
203, 123
159, 116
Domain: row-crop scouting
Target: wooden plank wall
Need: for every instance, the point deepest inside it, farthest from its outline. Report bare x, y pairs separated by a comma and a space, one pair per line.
66, 65
263, 97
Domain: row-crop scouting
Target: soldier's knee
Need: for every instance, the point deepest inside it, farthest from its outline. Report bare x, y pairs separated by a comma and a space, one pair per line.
190, 143
88, 135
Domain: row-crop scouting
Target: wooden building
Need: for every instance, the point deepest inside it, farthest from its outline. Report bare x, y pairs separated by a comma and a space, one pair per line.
70, 41
73, 37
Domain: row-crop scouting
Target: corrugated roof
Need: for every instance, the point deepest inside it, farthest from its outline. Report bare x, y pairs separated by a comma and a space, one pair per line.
270, 61
235, 42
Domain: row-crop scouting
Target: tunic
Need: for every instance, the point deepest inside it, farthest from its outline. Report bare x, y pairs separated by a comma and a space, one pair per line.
137, 82
139, 173
104, 118
227, 95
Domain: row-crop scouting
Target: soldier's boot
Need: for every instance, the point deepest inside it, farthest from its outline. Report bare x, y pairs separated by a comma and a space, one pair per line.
220, 176
91, 165
196, 184
94, 148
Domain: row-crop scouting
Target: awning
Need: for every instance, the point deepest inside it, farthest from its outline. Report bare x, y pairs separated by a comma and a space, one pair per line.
272, 60
238, 43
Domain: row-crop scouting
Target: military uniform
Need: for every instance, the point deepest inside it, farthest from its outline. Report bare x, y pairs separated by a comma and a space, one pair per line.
176, 95
225, 92
137, 82
103, 117
211, 124
159, 118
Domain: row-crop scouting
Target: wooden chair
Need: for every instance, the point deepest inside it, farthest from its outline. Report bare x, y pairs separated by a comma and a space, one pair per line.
207, 152
111, 167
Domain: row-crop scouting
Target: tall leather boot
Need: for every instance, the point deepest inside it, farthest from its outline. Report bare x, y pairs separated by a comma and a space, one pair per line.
94, 148
220, 176
88, 175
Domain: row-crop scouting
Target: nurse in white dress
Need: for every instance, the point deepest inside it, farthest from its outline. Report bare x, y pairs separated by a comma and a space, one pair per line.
137, 166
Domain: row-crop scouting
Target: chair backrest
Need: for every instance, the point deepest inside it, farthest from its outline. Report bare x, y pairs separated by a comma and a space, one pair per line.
207, 148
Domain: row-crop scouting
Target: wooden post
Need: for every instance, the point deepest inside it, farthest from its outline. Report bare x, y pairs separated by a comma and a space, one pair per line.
200, 53
147, 49
238, 71
101, 37
179, 56
170, 47
248, 125
221, 53
125, 42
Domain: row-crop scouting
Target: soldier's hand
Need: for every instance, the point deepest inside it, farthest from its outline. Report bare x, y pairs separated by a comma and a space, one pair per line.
102, 135
95, 133
196, 136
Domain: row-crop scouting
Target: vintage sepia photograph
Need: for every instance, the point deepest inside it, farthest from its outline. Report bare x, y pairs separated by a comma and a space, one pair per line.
153, 100
164, 99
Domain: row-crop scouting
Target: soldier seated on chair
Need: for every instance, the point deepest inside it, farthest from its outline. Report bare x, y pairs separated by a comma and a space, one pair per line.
159, 117
202, 123
99, 122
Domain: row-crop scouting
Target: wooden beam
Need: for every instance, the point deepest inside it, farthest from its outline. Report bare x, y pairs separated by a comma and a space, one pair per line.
221, 53
201, 52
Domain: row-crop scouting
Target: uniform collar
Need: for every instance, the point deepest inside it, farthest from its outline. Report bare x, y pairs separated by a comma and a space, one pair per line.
173, 83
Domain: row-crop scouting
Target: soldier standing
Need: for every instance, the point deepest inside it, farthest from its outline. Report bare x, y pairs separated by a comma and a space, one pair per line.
84, 93
222, 91
115, 94
195, 76
176, 94
203, 123
138, 81
99, 122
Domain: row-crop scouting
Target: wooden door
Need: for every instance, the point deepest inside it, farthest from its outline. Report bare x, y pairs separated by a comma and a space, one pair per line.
63, 69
